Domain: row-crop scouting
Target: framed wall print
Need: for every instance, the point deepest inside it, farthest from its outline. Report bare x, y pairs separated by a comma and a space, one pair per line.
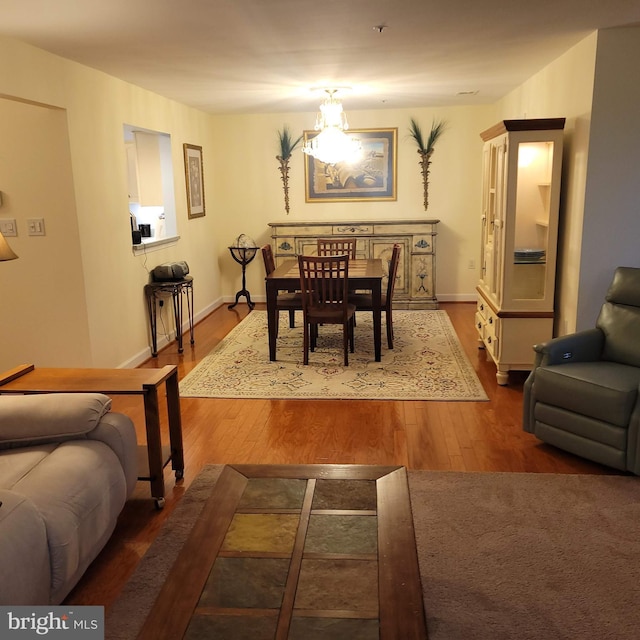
194, 179
371, 177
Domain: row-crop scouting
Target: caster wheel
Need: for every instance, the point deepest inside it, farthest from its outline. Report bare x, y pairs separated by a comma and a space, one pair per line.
179, 474
159, 502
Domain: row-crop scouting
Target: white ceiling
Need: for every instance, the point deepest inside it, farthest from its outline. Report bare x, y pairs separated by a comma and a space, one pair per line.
252, 56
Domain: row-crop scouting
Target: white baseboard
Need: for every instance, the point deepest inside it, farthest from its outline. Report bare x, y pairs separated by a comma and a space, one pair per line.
457, 297
163, 341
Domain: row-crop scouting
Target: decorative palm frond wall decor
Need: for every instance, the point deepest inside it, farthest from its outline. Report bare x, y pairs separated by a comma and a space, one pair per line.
425, 149
287, 146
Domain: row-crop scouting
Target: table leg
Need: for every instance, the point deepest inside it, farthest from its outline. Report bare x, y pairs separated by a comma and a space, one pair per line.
154, 445
175, 424
189, 293
153, 322
272, 318
376, 298
176, 294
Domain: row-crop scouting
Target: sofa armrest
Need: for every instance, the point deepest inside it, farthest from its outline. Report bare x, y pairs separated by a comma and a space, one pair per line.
583, 346
32, 419
117, 431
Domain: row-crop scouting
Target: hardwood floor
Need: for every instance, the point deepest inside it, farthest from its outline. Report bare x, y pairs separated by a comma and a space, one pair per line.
459, 436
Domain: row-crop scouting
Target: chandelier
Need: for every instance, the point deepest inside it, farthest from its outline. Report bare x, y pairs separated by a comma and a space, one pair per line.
332, 144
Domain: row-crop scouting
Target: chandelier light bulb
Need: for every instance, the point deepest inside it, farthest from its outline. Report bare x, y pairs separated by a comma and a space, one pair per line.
332, 144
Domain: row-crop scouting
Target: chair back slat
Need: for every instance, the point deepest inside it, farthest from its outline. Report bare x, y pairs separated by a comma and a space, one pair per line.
324, 282
337, 247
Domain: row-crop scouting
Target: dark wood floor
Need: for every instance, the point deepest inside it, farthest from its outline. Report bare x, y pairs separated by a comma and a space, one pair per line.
460, 436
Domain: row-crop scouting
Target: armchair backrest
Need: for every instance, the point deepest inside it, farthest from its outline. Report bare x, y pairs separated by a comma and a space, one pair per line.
619, 318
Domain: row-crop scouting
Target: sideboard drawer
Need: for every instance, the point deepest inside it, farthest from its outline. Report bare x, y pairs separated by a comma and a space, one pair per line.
285, 247
427, 227
423, 244
354, 229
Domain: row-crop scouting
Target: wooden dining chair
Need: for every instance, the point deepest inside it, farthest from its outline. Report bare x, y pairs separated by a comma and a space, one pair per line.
337, 247
324, 282
364, 301
290, 301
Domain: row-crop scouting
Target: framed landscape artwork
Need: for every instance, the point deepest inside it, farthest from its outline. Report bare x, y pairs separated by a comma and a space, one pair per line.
371, 177
194, 178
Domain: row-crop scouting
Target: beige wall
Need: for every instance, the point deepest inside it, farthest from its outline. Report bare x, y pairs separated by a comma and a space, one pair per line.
611, 226
243, 193
251, 192
102, 288
94, 292
596, 86
564, 89
43, 308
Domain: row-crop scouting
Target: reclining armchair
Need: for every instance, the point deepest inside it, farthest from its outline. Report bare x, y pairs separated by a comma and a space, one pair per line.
582, 395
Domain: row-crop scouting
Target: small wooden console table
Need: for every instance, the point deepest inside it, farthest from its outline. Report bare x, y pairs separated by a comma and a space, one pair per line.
145, 382
176, 288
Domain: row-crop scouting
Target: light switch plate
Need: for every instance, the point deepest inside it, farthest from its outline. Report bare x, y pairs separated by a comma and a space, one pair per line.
8, 227
35, 226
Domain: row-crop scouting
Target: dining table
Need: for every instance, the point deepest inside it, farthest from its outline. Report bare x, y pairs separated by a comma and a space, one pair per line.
364, 275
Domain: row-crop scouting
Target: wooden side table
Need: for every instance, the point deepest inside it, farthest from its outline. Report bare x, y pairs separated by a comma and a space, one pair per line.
153, 291
145, 382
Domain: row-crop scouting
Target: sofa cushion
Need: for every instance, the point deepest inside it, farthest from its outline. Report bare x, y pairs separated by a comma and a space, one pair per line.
590, 429
602, 390
79, 490
621, 327
625, 287
17, 463
24, 555
50, 416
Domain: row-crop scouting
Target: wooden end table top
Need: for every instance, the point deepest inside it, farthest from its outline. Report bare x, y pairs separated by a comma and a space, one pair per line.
30, 379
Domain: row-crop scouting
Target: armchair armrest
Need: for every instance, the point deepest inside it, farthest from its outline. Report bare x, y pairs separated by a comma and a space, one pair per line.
31, 419
583, 346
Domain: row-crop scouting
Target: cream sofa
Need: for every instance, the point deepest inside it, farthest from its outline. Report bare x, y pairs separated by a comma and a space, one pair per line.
67, 466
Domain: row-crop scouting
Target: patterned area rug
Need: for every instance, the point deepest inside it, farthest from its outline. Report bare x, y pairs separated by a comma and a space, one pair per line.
426, 363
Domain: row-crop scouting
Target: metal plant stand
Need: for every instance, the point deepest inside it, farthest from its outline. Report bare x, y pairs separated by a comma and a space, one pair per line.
243, 256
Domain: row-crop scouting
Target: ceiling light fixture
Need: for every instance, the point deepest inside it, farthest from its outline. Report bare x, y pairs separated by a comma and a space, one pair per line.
332, 144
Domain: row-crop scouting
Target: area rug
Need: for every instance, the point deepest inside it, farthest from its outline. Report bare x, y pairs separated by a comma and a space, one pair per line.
502, 556
426, 363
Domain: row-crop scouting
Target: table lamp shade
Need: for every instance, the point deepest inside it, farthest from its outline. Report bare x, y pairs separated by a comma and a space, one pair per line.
6, 253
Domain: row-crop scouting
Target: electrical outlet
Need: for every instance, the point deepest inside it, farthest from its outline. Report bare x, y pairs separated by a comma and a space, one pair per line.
8, 227
472, 264
35, 226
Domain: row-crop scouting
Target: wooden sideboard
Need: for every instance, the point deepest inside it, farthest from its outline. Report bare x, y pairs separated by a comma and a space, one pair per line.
416, 284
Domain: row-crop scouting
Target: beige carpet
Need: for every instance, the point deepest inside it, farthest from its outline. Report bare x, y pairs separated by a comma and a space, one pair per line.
503, 556
426, 363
